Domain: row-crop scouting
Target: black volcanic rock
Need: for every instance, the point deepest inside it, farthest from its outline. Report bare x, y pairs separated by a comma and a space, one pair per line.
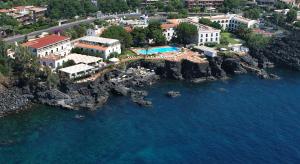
284, 52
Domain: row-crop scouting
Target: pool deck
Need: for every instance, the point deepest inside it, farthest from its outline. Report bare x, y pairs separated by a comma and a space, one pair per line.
186, 54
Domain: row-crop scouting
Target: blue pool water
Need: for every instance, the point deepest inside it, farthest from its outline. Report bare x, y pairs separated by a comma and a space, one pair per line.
242, 120
157, 50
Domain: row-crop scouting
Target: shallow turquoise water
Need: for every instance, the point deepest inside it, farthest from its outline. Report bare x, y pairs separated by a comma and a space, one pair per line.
157, 50
242, 120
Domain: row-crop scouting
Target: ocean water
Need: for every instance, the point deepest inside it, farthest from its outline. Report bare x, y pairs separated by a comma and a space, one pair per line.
242, 120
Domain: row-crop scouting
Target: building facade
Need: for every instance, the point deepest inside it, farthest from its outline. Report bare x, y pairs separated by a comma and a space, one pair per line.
203, 3
49, 45
232, 21
207, 34
98, 45
168, 31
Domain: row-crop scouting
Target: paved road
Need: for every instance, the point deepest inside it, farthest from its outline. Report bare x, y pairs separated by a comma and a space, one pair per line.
18, 38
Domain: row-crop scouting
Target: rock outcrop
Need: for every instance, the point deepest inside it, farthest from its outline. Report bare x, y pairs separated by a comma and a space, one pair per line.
283, 51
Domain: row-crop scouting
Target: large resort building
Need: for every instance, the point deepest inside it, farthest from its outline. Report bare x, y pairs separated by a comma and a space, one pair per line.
49, 45
232, 21
98, 45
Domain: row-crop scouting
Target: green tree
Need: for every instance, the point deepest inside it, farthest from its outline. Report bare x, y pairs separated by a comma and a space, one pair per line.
159, 38
278, 19
52, 80
68, 63
118, 32
139, 36
291, 16
297, 24
26, 67
186, 32
207, 22
252, 13
229, 5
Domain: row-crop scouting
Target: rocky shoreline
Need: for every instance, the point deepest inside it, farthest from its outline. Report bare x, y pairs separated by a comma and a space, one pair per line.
131, 80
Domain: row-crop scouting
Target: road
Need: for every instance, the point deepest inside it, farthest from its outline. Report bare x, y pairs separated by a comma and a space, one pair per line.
18, 38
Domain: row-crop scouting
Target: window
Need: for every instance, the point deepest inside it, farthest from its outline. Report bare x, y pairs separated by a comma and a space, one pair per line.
201, 40
51, 51
217, 34
56, 49
46, 53
206, 35
211, 34
62, 47
201, 35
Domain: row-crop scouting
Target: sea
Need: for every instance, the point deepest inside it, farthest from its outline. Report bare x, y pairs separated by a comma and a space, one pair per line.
243, 120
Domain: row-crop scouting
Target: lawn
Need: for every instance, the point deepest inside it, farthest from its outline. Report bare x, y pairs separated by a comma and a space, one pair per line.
230, 38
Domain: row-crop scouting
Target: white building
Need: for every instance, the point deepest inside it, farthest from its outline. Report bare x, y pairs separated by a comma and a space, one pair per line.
55, 61
77, 71
96, 31
207, 51
99, 45
168, 30
232, 21
207, 34
50, 44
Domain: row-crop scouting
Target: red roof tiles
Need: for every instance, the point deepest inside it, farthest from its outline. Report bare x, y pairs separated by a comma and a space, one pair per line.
45, 41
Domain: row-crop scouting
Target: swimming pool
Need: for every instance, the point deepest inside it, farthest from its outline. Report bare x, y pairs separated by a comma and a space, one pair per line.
157, 50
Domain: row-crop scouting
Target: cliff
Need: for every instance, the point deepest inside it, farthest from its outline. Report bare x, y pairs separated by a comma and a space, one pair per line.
284, 52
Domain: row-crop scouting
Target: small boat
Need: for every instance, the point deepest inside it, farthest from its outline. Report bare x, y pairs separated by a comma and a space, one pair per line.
79, 117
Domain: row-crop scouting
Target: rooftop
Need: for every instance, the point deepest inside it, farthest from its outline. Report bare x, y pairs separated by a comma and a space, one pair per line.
204, 48
90, 46
78, 58
76, 68
168, 25
45, 41
99, 40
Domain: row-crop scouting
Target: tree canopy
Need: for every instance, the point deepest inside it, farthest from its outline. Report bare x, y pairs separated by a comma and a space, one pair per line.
186, 32
118, 32
291, 16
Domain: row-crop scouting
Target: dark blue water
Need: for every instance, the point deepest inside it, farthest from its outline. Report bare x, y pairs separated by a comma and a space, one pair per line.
243, 120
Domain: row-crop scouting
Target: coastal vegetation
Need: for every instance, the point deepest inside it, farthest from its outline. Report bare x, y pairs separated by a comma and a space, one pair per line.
186, 32
207, 22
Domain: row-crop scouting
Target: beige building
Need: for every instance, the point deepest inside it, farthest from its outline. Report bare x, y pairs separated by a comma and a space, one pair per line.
98, 45
232, 21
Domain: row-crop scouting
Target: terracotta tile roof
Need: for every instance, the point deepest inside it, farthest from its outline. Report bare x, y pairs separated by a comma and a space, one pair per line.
4, 10
45, 41
128, 29
89, 46
168, 25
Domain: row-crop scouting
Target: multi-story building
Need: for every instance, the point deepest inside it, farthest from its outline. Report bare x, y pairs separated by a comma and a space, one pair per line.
168, 30
203, 3
99, 45
145, 3
49, 45
96, 31
232, 21
25, 14
207, 34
